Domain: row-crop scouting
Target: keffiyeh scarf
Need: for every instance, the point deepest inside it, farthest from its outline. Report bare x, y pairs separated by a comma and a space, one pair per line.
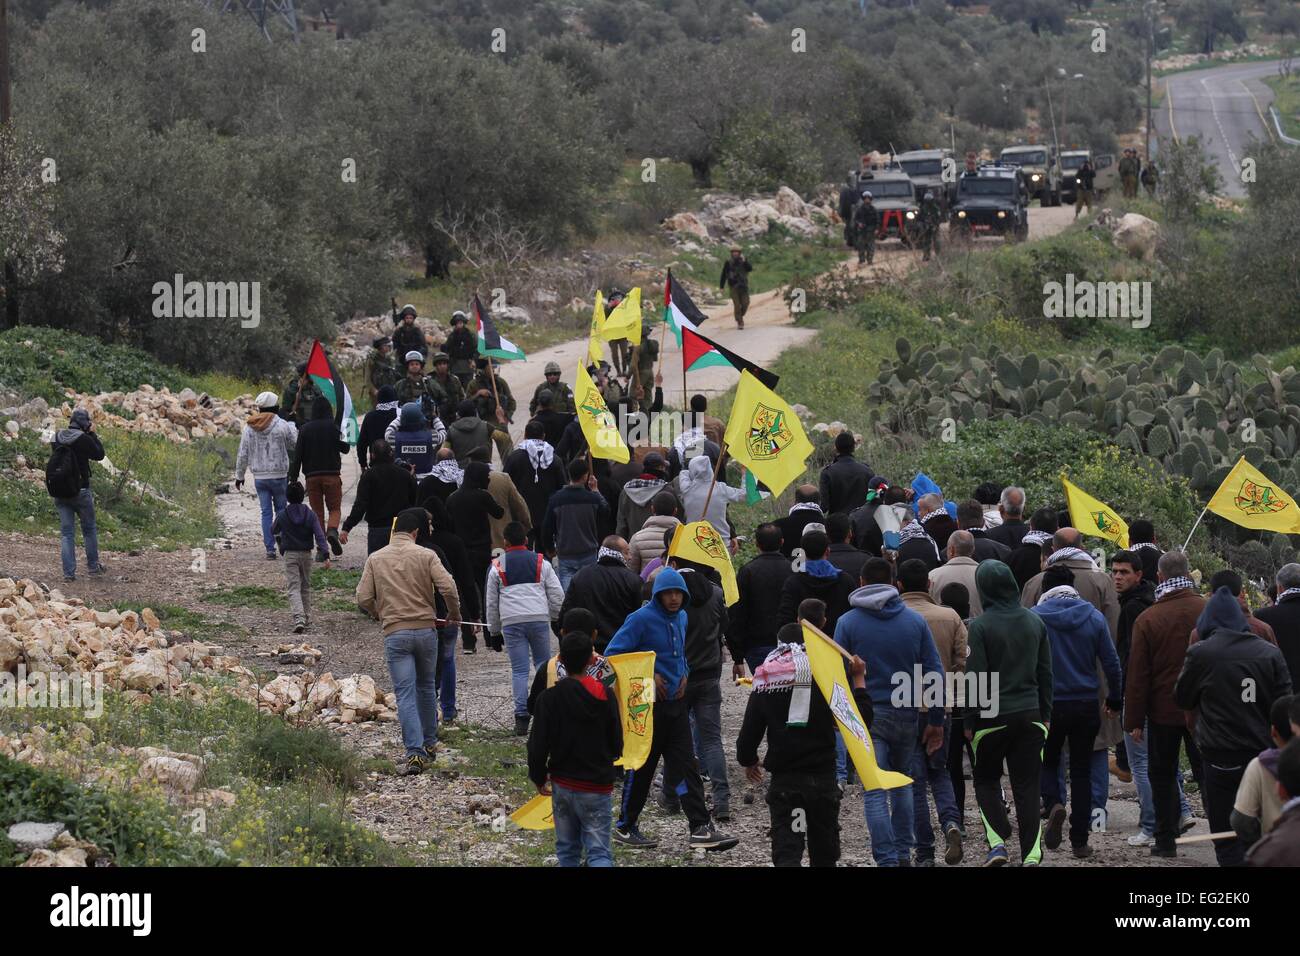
787, 668
1288, 594
611, 553
1038, 538
1071, 554
448, 472
1060, 591
806, 506
388, 406
1174, 584
540, 455
1144, 544
690, 438
915, 530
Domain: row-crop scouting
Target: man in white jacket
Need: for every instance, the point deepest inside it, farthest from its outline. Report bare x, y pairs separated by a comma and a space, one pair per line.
523, 597
265, 446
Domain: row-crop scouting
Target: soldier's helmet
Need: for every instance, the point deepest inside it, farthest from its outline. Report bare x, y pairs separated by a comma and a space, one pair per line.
414, 356
552, 368
441, 357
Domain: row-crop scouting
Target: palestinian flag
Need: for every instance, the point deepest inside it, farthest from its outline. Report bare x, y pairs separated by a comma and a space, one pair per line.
490, 341
700, 352
679, 311
330, 383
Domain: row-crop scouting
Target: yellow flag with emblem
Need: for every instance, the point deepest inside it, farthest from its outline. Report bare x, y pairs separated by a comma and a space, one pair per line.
536, 814
1093, 517
597, 422
1249, 499
594, 351
634, 691
624, 322
699, 541
826, 660
765, 435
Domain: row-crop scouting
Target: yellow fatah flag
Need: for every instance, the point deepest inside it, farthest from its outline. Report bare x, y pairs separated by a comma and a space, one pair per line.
1249, 499
625, 321
1094, 517
598, 424
594, 351
827, 663
765, 436
699, 541
536, 814
635, 690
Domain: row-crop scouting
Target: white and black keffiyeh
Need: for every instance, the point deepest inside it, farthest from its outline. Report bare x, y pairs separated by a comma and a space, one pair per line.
806, 506
1071, 554
1288, 595
1038, 538
540, 455
1145, 544
1060, 591
916, 531
1168, 587
611, 553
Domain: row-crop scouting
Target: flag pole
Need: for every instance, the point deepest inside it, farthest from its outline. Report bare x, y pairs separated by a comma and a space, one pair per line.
822, 634
716, 468
1195, 526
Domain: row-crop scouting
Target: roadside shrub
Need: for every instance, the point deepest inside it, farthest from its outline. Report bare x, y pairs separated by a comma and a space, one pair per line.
278, 752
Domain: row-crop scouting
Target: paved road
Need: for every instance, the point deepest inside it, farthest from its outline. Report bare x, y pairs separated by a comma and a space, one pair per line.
1225, 107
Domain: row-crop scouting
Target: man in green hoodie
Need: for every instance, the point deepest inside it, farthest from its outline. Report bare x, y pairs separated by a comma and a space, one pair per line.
1011, 656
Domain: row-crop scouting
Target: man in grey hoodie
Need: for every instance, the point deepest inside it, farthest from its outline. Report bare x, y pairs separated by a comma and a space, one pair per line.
636, 500
80, 438
265, 446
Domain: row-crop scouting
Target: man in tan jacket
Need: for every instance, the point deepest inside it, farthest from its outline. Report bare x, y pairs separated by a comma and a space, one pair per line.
959, 569
949, 635
400, 587
1093, 584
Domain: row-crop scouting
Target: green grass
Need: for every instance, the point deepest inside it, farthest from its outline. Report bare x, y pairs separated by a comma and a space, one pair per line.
195, 626
345, 579
777, 256
1286, 97
246, 596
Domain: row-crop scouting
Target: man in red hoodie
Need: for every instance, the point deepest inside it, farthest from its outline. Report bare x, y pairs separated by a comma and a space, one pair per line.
575, 739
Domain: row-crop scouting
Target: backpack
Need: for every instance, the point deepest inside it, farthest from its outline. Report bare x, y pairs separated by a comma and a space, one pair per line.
62, 477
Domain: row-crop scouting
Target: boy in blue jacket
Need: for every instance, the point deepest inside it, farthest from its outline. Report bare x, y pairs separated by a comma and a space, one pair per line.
1080, 640
660, 626
296, 529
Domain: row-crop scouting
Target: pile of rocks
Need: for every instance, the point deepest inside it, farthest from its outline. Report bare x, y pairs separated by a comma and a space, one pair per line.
352, 700
724, 216
352, 342
1182, 61
50, 844
179, 417
1134, 233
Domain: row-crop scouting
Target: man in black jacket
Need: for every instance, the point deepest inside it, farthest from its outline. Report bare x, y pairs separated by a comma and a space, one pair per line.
752, 627
376, 422
970, 517
537, 472
1026, 559
85, 447
575, 518
1136, 594
609, 589
384, 491
706, 623
805, 510
1284, 617
842, 554
818, 579
1011, 506
845, 480
1230, 679
800, 757
317, 456
576, 736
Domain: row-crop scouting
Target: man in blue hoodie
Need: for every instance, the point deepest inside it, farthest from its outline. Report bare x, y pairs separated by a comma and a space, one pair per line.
897, 645
660, 626
1080, 641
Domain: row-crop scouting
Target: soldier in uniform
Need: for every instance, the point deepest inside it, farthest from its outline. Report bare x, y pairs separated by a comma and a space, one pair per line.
295, 403
408, 336
620, 349
1128, 173
415, 386
644, 357
452, 389
380, 368
461, 347
1150, 178
562, 400
497, 414
735, 273
1085, 176
929, 218
866, 220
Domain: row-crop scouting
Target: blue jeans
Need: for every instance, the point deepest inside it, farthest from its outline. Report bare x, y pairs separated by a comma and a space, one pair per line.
1137, 764
446, 671
566, 568
1098, 776
889, 812
581, 823
70, 509
932, 769
521, 638
271, 492
412, 657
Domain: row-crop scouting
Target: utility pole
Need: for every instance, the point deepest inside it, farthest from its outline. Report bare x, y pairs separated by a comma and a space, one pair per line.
1151, 52
4, 63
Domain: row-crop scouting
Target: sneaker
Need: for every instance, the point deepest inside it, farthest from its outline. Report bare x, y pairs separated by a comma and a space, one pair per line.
633, 838
1168, 853
952, 856
1142, 839
271, 556
97, 570
924, 861
997, 856
709, 837
332, 536
1052, 832
1081, 852
1118, 772
521, 725
749, 797
69, 578
299, 626
322, 557
1186, 822
415, 765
